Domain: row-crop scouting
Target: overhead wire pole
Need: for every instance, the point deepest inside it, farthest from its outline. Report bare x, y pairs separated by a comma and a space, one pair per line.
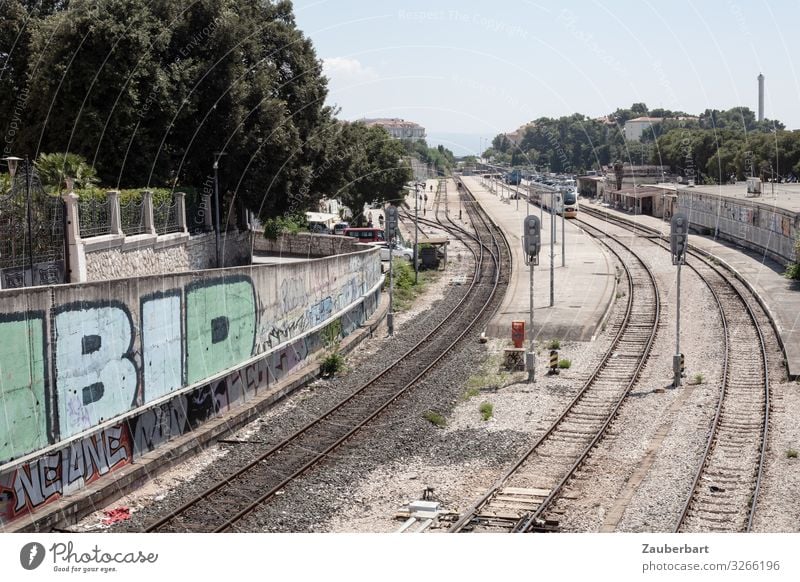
217, 156
391, 231
552, 246
416, 234
563, 234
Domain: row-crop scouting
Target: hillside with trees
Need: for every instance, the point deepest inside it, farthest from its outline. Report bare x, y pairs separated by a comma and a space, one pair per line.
713, 145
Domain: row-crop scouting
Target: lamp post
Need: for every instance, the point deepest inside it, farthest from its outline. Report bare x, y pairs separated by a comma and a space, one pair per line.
217, 156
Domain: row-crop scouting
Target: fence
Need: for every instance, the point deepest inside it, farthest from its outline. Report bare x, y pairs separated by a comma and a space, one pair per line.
31, 234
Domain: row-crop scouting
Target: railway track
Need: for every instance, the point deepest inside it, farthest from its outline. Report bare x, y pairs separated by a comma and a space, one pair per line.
518, 500
726, 485
223, 506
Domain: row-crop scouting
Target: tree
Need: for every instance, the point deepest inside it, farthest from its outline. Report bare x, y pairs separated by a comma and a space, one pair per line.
362, 165
147, 91
54, 169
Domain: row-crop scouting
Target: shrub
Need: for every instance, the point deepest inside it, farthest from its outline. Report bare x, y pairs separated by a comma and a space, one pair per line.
332, 364
698, 378
554, 345
471, 393
564, 363
792, 271
791, 454
274, 227
434, 418
486, 410
330, 333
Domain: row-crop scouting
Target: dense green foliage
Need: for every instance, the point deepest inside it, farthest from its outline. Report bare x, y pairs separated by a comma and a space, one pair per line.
440, 158
147, 91
709, 147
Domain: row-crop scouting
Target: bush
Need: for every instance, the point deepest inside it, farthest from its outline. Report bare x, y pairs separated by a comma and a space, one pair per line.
792, 271
434, 418
332, 364
471, 392
564, 363
274, 227
791, 454
554, 345
698, 378
486, 410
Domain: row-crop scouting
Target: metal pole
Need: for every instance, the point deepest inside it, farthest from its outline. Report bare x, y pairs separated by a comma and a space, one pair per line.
676, 361
541, 209
416, 236
552, 247
30, 217
216, 207
528, 202
532, 367
390, 316
563, 244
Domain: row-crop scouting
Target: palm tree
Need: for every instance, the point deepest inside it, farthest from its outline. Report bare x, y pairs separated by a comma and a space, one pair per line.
55, 168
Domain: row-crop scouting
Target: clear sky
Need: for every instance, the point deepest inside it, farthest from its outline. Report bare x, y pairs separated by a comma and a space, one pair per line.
481, 68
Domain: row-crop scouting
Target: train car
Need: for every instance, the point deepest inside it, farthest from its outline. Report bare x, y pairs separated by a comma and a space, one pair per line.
566, 202
514, 177
570, 203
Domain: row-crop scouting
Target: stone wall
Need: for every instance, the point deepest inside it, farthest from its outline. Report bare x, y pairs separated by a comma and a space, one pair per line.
306, 245
114, 257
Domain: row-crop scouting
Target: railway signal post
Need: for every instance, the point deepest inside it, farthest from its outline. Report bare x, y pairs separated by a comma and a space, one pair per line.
391, 234
531, 245
679, 241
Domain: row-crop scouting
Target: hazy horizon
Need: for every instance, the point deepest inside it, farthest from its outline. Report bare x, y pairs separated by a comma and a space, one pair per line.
468, 68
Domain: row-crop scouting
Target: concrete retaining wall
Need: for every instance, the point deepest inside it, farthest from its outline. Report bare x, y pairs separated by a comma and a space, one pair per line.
92, 375
306, 245
753, 225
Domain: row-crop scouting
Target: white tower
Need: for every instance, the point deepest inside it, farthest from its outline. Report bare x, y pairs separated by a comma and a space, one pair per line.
760, 97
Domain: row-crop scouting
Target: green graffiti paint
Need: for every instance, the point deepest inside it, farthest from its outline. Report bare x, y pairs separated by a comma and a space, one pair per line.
23, 410
220, 326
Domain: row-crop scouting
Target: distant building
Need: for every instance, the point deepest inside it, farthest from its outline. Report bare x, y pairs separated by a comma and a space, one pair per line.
634, 128
398, 128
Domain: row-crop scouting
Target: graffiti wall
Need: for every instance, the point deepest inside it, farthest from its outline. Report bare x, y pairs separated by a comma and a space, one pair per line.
77, 356
760, 226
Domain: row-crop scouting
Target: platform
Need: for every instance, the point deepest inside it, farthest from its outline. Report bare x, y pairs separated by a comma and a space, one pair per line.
584, 288
763, 275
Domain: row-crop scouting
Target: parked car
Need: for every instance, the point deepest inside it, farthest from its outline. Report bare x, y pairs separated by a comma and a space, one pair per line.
339, 228
397, 251
318, 228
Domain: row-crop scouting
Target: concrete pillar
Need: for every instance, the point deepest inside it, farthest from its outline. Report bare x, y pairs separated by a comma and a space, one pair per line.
180, 199
147, 212
114, 215
208, 224
75, 247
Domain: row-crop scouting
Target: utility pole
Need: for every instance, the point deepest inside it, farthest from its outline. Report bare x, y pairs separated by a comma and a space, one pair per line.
552, 246
563, 234
391, 234
416, 233
217, 156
